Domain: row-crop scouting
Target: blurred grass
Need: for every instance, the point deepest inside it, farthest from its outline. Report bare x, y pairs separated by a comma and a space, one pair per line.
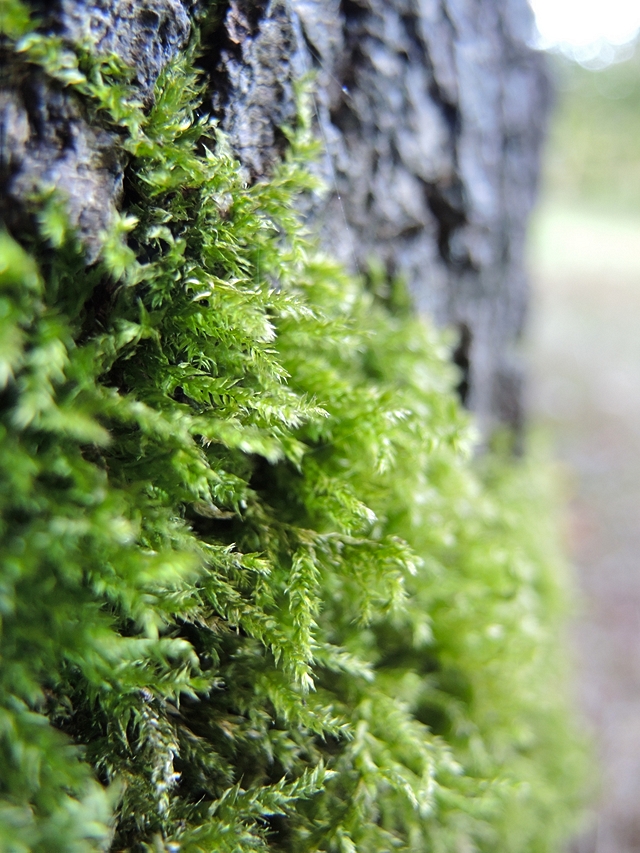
585, 356
593, 151
585, 249
585, 239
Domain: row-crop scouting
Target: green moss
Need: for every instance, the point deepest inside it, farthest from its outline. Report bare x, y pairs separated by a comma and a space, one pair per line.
255, 592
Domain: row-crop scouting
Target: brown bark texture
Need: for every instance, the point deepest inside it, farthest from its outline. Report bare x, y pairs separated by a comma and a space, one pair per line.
431, 113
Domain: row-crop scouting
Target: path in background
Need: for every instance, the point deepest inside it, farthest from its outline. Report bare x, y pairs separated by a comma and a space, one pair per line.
585, 352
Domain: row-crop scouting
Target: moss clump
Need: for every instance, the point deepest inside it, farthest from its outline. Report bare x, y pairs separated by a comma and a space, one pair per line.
255, 593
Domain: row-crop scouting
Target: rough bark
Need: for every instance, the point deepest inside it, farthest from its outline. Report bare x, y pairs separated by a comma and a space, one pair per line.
47, 142
432, 114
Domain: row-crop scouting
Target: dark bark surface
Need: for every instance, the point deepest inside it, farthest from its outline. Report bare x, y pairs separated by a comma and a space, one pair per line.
431, 111
47, 142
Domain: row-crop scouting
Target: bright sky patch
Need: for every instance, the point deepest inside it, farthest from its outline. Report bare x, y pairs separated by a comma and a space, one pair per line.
592, 31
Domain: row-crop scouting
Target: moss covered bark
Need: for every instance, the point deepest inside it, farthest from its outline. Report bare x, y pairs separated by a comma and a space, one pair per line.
255, 592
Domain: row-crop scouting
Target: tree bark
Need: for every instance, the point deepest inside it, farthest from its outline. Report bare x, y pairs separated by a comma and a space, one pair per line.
431, 112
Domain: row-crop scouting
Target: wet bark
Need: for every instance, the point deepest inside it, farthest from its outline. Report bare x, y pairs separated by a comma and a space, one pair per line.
431, 112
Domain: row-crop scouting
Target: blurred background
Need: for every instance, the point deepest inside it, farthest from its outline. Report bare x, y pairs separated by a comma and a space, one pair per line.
585, 350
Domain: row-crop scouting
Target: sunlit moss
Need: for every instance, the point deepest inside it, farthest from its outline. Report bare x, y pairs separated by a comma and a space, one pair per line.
255, 592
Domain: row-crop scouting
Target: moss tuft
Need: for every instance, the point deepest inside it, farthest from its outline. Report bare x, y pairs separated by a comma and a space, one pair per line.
255, 592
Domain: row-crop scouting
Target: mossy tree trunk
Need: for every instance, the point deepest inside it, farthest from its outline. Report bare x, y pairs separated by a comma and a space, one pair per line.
431, 113
256, 592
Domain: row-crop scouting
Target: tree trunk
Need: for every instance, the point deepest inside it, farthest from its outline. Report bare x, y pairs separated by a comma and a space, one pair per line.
431, 113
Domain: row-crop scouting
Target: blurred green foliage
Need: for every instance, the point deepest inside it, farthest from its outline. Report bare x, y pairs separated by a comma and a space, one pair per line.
593, 150
255, 591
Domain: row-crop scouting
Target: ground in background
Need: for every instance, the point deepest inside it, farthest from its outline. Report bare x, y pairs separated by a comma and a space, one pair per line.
585, 352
